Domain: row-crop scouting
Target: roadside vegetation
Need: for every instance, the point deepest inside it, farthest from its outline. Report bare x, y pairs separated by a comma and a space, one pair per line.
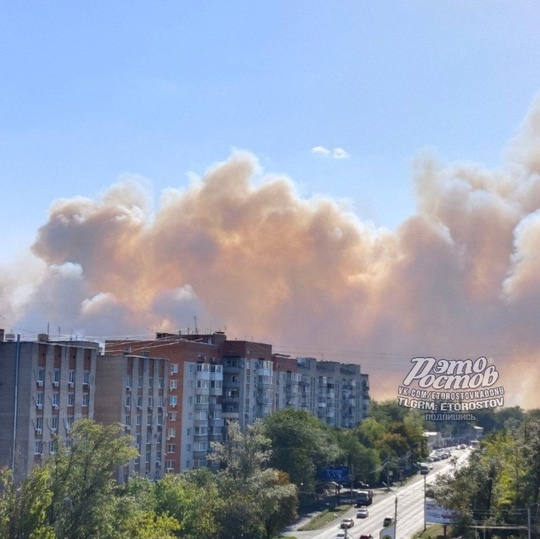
499, 486
265, 476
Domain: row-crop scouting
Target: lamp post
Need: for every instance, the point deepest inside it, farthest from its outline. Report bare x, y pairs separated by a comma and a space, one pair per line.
395, 508
424, 503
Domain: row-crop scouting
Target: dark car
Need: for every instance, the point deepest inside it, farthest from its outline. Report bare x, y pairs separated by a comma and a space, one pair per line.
387, 521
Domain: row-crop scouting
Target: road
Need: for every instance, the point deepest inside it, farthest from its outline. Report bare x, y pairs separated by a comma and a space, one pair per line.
410, 508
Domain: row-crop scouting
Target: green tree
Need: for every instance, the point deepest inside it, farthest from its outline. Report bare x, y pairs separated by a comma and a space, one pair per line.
74, 494
301, 446
257, 497
83, 479
193, 499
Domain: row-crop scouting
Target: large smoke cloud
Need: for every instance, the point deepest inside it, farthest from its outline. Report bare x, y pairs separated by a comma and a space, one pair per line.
459, 279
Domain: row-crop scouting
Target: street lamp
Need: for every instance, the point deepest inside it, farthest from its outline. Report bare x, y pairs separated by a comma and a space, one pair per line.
425, 502
395, 508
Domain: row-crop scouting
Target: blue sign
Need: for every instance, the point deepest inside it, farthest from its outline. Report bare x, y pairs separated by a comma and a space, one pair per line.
339, 474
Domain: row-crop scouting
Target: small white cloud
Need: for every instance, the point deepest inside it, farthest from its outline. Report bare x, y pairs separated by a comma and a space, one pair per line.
321, 150
340, 153
336, 153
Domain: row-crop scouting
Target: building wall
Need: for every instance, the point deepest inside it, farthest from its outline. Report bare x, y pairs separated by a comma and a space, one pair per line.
132, 390
56, 386
184, 353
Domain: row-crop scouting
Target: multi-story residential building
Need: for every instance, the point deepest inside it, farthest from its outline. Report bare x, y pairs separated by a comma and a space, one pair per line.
46, 386
248, 384
337, 393
132, 389
195, 384
287, 383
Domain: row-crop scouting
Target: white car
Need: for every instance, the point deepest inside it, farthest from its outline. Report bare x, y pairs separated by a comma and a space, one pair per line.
346, 523
362, 513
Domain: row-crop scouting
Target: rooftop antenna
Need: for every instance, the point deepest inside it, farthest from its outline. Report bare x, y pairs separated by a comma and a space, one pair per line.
196, 329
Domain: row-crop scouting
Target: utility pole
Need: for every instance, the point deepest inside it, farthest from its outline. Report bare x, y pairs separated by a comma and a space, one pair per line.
424, 503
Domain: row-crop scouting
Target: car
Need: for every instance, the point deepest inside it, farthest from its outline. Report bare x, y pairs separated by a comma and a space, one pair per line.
340, 535
362, 513
365, 536
387, 521
346, 523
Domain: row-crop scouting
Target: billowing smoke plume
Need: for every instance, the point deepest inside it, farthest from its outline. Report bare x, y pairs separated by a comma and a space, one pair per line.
459, 279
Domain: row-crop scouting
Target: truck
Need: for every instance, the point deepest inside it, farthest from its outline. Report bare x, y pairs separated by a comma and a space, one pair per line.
364, 497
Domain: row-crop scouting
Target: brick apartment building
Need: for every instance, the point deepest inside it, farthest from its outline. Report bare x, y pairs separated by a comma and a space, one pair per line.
46, 386
132, 390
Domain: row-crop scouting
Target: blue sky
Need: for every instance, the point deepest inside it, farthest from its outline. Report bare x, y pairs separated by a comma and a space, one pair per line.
93, 90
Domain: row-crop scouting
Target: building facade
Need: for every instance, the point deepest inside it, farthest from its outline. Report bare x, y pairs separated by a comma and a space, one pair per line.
194, 393
132, 390
337, 393
46, 387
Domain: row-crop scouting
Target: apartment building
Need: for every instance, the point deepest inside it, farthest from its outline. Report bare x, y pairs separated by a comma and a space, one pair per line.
46, 386
287, 383
248, 381
337, 393
132, 389
194, 388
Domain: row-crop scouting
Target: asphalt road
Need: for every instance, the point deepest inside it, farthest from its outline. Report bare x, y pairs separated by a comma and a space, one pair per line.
410, 508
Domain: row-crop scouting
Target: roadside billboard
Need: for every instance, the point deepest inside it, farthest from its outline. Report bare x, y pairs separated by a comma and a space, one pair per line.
436, 514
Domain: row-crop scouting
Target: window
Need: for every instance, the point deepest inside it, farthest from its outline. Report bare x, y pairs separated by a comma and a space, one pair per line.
161, 383
139, 419
38, 447
71, 378
173, 384
52, 447
171, 433
173, 399
86, 377
69, 421
129, 382
85, 399
39, 423
39, 399
56, 377
174, 368
140, 382
56, 399
151, 382
54, 423
71, 399
150, 402
171, 448
128, 401
171, 416
41, 376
